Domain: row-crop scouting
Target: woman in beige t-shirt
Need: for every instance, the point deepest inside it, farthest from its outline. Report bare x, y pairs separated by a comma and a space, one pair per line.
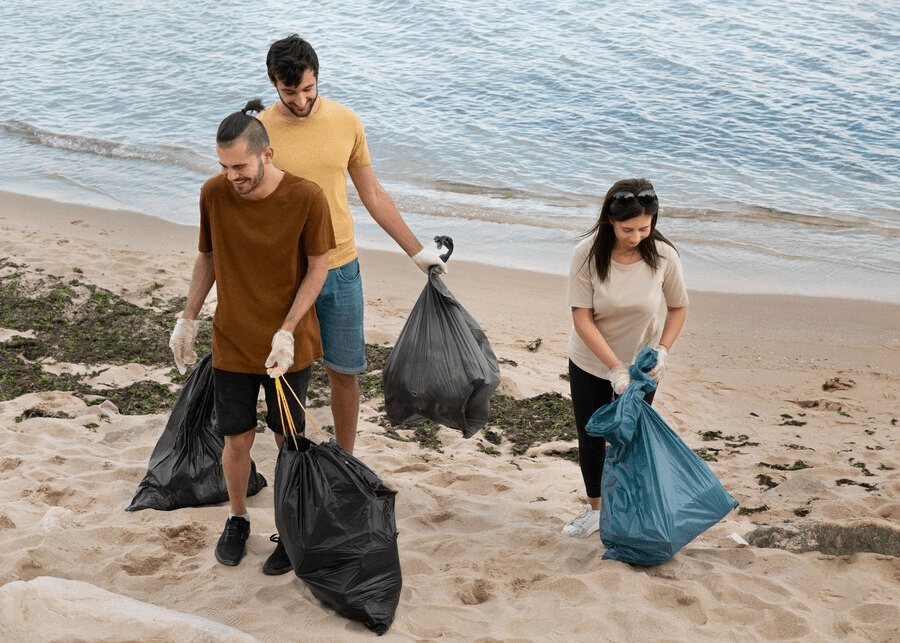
626, 291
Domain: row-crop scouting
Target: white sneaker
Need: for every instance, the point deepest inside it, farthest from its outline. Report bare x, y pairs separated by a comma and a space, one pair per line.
587, 522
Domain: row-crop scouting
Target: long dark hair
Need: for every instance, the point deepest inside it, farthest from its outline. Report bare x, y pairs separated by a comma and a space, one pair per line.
625, 200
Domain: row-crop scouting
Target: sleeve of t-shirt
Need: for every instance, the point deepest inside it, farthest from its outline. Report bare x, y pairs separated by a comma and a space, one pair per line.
581, 289
673, 281
205, 242
318, 233
359, 155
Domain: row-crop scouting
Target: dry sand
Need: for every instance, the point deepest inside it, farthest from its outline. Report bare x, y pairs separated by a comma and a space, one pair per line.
480, 545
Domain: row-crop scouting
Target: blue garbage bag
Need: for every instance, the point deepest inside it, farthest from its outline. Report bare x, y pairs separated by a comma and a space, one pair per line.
658, 495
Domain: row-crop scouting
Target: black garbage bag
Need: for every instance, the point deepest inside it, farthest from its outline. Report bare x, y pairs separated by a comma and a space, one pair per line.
442, 367
335, 518
185, 467
658, 495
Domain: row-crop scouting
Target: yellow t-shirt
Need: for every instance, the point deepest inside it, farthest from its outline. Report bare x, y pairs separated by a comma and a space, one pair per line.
321, 149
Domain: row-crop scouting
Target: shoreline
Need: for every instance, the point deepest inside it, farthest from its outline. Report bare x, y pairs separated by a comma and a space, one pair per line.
706, 275
819, 332
792, 401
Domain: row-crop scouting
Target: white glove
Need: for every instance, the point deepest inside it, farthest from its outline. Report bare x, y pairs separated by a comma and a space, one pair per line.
282, 355
426, 258
182, 343
659, 370
620, 378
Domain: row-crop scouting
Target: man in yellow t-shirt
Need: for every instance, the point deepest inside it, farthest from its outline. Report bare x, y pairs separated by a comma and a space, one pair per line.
323, 141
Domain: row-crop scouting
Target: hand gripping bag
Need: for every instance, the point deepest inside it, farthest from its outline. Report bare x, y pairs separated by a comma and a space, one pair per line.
658, 495
335, 518
442, 367
185, 468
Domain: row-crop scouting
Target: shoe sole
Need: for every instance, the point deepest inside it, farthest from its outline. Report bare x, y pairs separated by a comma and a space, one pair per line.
277, 572
230, 563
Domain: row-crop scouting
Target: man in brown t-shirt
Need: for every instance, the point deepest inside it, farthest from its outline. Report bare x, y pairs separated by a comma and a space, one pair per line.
264, 241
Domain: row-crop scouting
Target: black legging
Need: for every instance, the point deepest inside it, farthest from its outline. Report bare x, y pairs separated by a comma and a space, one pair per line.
589, 393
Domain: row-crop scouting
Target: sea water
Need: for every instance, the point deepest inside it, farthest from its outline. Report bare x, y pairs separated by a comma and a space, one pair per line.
770, 130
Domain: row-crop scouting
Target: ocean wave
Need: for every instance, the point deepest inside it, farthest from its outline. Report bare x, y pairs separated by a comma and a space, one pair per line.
162, 154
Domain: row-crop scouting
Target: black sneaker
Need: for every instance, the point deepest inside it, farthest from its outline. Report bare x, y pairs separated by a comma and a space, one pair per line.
233, 541
278, 562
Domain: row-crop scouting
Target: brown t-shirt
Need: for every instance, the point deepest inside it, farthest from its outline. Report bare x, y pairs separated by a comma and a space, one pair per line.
260, 251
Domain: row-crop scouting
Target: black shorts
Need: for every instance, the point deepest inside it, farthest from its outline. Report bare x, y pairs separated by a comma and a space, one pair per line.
236, 395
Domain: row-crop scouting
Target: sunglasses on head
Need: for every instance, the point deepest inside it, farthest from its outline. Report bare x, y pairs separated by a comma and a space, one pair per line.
626, 199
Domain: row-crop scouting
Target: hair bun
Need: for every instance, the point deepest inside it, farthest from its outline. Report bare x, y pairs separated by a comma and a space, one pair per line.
255, 105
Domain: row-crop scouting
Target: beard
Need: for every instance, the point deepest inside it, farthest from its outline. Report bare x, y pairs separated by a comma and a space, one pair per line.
298, 112
247, 185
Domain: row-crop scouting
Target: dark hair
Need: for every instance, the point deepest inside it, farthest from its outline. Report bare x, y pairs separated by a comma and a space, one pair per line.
289, 58
618, 205
243, 126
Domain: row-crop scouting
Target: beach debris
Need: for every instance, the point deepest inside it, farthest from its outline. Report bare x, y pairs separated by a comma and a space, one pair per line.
838, 384
798, 464
708, 454
736, 537
766, 481
107, 409
827, 405
831, 538
7, 334
58, 518
534, 344
847, 481
37, 412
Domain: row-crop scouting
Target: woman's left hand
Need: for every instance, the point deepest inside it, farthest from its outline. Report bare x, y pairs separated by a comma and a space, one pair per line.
659, 370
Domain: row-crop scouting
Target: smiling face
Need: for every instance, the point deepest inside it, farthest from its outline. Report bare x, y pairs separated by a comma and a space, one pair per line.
630, 232
298, 100
243, 169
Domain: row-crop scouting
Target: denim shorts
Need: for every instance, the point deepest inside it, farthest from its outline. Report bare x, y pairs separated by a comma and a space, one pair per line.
340, 312
236, 395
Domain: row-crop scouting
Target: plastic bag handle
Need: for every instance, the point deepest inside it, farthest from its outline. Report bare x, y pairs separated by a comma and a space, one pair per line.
287, 422
444, 241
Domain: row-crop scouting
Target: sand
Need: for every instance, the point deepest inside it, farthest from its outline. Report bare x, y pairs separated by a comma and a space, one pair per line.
769, 381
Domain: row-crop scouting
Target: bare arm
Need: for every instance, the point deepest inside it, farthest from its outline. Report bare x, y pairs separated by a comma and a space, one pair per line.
587, 330
309, 289
674, 323
202, 280
382, 209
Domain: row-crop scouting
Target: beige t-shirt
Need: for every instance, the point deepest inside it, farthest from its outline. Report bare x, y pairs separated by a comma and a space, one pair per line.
321, 149
629, 308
